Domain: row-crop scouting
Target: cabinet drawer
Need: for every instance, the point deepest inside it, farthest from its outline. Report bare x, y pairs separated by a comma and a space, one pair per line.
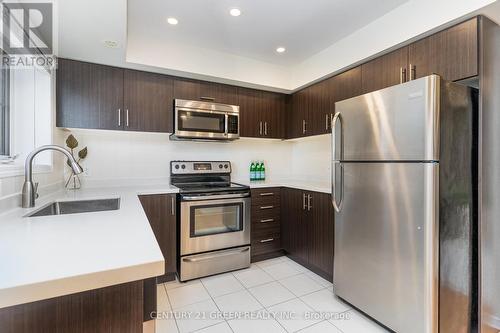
266, 196
265, 223
265, 212
264, 241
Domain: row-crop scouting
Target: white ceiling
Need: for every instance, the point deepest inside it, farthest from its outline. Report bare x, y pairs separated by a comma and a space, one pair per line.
303, 27
321, 36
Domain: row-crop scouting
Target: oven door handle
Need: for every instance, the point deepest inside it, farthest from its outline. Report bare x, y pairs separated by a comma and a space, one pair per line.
215, 197
214, 256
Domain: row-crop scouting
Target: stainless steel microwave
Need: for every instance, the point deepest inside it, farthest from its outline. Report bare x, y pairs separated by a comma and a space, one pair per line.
195, 120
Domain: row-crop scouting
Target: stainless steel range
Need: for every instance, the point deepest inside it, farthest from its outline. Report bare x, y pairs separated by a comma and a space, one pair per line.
214, 231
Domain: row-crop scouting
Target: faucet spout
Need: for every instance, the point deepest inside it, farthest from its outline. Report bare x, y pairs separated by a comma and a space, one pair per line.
29, 190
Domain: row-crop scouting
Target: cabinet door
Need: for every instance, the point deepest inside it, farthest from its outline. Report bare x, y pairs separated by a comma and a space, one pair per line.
160, 210
205, 91
452, 53
89, 95
320, 233
219, 93
297, 117
319, 108
346, 85
250, 118
148, 102
272, 109
384, 71
293, 223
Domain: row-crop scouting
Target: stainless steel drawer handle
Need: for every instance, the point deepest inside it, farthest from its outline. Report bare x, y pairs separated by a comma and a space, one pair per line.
266, 220
228, 253
267, 240
266, 207
205, 98
267, 194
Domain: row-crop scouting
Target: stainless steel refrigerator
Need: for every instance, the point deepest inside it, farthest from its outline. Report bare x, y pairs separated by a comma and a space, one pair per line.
404, 189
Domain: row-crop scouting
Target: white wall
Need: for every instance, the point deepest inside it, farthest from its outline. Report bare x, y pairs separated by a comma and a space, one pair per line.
128, 158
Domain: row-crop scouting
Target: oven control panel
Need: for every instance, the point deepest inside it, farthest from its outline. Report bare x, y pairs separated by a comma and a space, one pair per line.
199, 167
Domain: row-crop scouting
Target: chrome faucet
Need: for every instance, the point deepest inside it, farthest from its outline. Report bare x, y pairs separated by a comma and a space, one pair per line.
29, 189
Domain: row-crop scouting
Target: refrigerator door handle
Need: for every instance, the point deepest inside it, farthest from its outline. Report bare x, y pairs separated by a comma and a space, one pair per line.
337, 117
337, 205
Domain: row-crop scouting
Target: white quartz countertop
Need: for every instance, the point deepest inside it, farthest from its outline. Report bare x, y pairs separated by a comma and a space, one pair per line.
307, 185
50, 256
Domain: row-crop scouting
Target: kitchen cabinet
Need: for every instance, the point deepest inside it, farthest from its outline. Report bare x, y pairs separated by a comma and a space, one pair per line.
385, 71
148, 102
266, 216
161, 210
297, 117
104, 97
346, 85
307, 229
205, 91
88, 95
452, 53
320, 107
262, 113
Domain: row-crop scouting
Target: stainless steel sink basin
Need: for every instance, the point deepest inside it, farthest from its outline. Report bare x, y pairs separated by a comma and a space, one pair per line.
75, 207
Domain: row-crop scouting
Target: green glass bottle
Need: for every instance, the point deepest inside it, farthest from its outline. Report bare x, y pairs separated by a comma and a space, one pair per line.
262, 171
252, 171
257, 170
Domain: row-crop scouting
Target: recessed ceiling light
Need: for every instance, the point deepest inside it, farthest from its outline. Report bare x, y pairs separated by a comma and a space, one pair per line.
235, 12
172, 21
280, 49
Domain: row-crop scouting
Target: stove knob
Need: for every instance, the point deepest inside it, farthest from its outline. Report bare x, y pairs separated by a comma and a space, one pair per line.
183, 166
220, 166
177, 166
226, 166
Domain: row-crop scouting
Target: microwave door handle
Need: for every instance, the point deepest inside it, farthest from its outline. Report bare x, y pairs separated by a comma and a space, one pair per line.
226, 124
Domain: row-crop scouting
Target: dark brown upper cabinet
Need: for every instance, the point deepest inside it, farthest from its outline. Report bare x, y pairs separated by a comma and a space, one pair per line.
452, 53
103, 97
205, 91
385, 71
297, 119
320, 107
89, 95
262, 113
346, 85
148, 102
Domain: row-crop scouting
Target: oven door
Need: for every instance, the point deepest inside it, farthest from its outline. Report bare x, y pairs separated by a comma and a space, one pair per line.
203, 124
220, 222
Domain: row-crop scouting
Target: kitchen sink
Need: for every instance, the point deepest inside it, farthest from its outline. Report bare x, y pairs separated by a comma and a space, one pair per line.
76, 207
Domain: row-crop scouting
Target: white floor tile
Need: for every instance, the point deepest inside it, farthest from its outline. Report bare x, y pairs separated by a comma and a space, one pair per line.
252, 277
293, 315
325, 283
166, 326
219, 328
271, 293
196, 316
325, 301
162, 303
357, 323
269, 262
281, 270
256, 325
186, 295
297, 266
176, 284
322, 327
241, 301
223, 284
301, 284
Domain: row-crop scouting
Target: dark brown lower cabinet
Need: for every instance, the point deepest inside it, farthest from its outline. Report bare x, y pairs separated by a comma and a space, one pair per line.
160, 210
116, 308
307, 229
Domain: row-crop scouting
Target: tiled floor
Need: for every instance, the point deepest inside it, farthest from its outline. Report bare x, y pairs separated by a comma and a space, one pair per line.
276, 295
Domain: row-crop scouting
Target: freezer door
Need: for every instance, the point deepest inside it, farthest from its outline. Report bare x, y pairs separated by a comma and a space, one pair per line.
396, 123
386, 243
